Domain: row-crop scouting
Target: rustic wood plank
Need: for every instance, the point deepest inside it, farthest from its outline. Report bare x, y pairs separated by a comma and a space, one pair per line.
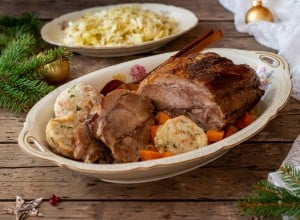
48, 9
240, 156
11, 125
201, 184
128, 210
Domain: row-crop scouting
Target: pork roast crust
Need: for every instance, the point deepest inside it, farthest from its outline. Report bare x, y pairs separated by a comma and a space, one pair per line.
122, 122
208, 88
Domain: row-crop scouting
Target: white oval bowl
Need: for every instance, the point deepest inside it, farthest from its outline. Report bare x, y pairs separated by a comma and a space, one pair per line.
53, 33
276, 79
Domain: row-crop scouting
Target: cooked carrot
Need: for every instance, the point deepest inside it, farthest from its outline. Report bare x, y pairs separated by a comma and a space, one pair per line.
231, 129
244, 121
152, 148
167, 154
214, 135
162, 117
149, 155
152, 130
253, 112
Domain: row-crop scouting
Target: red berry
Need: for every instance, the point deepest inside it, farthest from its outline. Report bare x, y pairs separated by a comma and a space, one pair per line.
54, 199
52, 202
57, 199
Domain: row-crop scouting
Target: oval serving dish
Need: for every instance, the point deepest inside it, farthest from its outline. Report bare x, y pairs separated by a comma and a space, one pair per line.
276, 80
53, 32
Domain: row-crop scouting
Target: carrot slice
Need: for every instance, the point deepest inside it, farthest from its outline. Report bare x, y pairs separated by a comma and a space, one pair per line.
214, 135
149, 155
153, 129
231, 129
162, 117
167, 154
244, 121
152, 148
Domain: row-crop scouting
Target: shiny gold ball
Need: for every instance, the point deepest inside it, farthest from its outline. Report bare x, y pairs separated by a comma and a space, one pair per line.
258, 13
57, 71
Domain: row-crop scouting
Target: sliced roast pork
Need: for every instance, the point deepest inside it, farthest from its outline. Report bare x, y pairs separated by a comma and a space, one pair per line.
208, 88
122, 122
88, 148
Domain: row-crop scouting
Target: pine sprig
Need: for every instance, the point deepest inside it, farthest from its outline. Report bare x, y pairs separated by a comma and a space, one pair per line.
15, 27
291, 178
15, 52
272, 201
21, 76
13, 99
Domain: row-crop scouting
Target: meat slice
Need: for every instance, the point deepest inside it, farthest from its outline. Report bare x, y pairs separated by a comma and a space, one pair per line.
88, 148
122, 122
206, 87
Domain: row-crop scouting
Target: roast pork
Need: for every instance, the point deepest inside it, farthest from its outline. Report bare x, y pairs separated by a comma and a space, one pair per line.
88, 148
122, 122
208, 88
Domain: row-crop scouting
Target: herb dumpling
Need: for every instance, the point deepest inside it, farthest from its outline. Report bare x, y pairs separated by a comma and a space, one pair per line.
78, 99
59, 134
179, 135
71, 109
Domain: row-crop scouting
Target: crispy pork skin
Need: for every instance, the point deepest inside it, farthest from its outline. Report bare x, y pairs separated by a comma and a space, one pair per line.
122, 122
208, 88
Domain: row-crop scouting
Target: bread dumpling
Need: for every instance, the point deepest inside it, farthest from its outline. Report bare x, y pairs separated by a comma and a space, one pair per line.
59, 134
78, 99
179, 135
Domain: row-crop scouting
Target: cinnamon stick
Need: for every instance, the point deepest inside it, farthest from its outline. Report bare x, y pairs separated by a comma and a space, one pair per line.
200, 43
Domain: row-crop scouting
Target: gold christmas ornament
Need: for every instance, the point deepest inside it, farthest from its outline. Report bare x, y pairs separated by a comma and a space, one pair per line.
57, 71
258, 13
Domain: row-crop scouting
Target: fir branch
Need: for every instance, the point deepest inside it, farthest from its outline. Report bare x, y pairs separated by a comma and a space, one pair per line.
3, 41
290, 177
14, 53
16, 26
20, 96
37, 87
21, 73
14, 100
31, 66
272, 201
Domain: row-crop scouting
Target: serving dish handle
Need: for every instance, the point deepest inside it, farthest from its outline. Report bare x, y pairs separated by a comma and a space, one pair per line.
32, 146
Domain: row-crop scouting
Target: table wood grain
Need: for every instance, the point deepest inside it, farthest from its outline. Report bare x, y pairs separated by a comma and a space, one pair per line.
209, 192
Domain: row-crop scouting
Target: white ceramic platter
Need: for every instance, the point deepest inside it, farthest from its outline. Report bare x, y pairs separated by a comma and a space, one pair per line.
53, 33
276, 80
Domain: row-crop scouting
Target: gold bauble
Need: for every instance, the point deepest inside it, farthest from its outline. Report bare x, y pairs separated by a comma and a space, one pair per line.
57, 71
258, 13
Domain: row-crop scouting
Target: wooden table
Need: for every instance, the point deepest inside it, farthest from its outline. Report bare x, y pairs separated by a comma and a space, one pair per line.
209, 192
